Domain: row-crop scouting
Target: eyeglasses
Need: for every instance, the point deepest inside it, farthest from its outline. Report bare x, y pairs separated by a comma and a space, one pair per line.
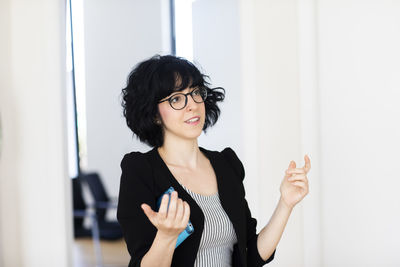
179, 101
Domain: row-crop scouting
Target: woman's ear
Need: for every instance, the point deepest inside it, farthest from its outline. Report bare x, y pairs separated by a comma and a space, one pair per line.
157, 120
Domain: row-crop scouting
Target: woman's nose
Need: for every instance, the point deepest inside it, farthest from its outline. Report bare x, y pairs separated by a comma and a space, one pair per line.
190, 104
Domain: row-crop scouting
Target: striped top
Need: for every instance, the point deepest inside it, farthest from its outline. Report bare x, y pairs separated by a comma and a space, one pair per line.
218, 237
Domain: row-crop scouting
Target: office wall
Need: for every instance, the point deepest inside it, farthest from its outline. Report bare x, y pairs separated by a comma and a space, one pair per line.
330, 87
118, 35
359, 64
216, 40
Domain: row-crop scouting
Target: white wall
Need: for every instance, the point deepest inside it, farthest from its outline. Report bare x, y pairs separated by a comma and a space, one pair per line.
35, 197
118, 35
216, 51
359, 94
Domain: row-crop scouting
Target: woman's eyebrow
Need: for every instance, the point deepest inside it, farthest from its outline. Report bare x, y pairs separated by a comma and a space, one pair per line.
181, 91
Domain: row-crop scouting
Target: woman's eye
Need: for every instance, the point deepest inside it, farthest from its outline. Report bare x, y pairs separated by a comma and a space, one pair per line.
176, 99
196, 92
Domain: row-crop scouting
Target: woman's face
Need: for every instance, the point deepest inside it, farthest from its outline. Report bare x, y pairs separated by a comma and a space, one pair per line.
176, 122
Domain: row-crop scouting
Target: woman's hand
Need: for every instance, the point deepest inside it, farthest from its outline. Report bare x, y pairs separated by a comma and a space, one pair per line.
169, 221
294, 186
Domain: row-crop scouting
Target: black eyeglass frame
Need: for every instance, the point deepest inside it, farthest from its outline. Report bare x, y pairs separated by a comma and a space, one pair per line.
186, 97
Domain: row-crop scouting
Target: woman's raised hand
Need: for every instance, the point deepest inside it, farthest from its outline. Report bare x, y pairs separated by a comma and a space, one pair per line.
294, 186
172, 220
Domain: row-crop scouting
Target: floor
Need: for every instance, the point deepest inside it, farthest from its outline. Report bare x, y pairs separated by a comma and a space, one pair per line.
114, 253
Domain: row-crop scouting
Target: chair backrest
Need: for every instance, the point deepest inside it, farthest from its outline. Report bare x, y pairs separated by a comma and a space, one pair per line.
98, 192
78, 201
96, 187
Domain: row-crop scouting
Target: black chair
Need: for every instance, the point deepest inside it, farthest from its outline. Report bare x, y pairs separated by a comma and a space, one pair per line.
81, 211
109, 230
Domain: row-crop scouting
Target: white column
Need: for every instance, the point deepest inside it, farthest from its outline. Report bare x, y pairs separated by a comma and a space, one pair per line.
9, 194
35, 194
278, 116
310, 130
249, 98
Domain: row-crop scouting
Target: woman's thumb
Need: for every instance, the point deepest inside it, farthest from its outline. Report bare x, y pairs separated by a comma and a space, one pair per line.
148, 211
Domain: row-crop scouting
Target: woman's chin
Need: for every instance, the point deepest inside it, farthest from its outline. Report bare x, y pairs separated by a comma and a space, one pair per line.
193, 135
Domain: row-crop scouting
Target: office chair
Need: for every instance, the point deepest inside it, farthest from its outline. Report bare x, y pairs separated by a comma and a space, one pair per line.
80, 212
109, 230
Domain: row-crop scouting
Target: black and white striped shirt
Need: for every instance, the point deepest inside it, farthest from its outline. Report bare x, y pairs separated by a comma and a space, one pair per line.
218, 237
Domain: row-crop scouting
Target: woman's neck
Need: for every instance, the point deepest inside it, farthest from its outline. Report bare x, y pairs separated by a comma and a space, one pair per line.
182, 154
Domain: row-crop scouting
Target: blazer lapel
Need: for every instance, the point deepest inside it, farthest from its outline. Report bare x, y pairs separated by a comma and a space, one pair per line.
230, 196
164, 179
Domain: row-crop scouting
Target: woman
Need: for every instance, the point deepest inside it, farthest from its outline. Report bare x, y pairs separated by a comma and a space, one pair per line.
167, 104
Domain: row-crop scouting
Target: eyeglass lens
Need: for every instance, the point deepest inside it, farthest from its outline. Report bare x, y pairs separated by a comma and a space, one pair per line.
179, 101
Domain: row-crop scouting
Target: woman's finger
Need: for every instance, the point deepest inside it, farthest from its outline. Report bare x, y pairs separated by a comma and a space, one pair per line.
296, 170
179, 210
299, 184
186, 213
292, 165
298, 177
172, 206
164, 206
307, 165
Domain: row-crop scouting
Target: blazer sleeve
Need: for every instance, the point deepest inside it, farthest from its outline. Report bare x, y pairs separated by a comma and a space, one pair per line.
253, 256
136, 187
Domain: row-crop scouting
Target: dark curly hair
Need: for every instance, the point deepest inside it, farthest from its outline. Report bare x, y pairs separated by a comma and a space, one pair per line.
154, 79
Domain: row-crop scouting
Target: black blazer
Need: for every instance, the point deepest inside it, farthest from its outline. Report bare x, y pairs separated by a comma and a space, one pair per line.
145, 177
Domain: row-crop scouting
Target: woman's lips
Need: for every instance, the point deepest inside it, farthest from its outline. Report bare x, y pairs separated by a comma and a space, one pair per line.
193, 121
